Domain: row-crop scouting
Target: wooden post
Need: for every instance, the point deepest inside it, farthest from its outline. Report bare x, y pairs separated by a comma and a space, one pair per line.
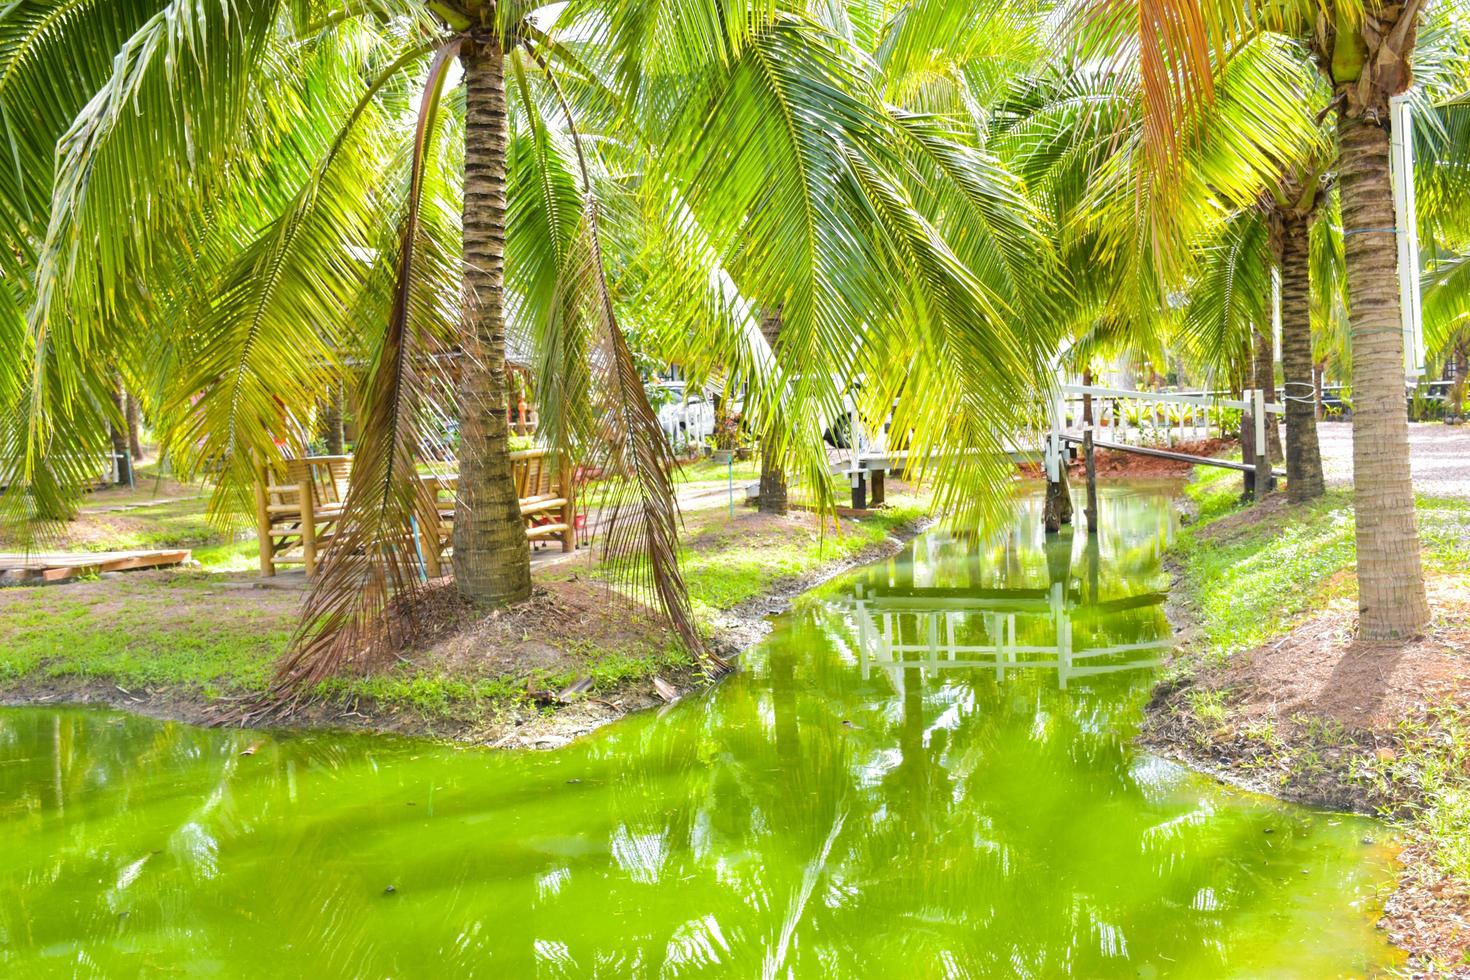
1057, 509
1265, 478
568, 509
859, 490
876, 493
1088, 456
1051, 516
308, 523
263, 520
1091, 463
1064, 485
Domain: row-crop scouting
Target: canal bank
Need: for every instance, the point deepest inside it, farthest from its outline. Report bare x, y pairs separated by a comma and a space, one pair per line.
199, 645
929, 767
1269, 688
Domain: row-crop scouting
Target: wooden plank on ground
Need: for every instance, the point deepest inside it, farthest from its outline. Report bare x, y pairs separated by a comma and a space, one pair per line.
59, 567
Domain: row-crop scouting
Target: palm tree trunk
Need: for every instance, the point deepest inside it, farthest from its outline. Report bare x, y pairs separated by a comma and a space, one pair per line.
1391, 597
1455, 406
492, 561
1303, 455
332, 423
773, 476
1264, 377
135, 441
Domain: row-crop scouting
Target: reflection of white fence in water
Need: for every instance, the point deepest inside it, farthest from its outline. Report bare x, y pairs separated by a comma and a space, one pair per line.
942, 622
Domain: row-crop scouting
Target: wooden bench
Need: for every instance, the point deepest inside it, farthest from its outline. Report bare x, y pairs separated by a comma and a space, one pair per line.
543, 485
296, 506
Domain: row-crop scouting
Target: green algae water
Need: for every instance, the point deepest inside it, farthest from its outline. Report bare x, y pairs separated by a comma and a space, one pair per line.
927, 770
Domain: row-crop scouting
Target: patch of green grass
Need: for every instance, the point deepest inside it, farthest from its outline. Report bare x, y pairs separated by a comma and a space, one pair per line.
725, 576
175, 524
431, 695
1254, 583
242, 556
609, 669
1207, 706
145, 637
446, 697
1215, 492
58, 635
1432, 772
723, 566
708, 471
1444, 533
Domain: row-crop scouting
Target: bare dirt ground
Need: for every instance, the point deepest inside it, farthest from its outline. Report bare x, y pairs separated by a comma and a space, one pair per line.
1112, 462
1439, 456
1319, 683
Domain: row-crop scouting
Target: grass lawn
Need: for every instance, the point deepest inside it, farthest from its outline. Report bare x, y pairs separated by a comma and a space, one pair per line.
1253, 582
157, 512
215, 631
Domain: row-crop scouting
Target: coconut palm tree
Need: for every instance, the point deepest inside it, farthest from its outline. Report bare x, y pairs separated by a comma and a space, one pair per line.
375, 190
1292, 209
1364, 49
1136, 256
913, 351
1366, 56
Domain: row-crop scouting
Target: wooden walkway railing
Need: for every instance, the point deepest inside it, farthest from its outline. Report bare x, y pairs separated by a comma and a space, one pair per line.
945, 629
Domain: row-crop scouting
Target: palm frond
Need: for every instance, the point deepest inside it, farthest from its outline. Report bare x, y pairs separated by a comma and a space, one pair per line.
373, 554
618, 434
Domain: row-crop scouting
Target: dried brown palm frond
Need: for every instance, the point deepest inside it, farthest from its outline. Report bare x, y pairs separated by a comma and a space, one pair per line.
373, 556
642, 539
1167, 45
612, 428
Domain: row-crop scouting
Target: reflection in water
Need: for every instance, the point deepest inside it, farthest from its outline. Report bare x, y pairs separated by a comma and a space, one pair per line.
926, 771
1066, 628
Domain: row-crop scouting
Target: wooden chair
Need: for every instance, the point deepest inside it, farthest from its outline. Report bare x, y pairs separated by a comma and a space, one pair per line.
436, 521
544, 485
297, 505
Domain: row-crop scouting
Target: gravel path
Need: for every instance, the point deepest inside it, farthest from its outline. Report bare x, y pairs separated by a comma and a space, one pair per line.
1439, 456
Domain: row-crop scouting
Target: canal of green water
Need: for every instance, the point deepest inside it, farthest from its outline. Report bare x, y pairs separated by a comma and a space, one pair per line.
927, 770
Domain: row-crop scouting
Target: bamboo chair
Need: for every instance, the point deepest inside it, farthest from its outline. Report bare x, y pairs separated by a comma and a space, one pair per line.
436, 521
296, 509
544, 485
